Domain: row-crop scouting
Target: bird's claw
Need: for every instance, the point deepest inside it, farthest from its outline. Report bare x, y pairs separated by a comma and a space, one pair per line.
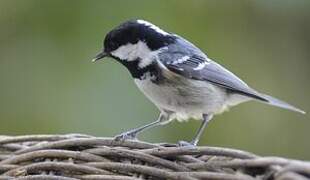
125, 136
187, 144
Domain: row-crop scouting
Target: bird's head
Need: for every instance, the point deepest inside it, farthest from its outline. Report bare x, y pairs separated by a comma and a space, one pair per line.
134, 40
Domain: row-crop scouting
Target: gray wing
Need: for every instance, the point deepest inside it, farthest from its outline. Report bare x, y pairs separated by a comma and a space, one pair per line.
185, 59
200, 68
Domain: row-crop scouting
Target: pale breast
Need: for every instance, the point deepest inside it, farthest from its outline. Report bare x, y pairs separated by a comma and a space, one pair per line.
187, 98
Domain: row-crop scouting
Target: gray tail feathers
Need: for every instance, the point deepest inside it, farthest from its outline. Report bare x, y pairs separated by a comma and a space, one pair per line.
278, 103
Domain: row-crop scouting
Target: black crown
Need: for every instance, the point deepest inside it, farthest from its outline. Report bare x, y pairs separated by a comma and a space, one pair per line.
131, 32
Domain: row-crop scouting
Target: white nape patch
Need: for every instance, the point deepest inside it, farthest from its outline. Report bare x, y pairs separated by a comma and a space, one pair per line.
152, 26
132, 52
200, 66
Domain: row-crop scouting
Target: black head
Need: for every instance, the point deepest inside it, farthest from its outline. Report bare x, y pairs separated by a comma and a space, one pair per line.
133, 31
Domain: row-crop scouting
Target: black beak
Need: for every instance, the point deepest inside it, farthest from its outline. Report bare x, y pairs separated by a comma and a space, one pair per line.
100, 56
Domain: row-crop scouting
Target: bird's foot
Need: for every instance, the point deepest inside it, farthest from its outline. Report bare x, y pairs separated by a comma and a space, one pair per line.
187, 144
125, 136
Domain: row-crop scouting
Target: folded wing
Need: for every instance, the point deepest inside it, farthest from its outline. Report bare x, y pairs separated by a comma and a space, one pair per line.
200, 68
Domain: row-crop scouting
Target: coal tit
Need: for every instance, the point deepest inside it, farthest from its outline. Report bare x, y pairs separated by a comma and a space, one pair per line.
181, 80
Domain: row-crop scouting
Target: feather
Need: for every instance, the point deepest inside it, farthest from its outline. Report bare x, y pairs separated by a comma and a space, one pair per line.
193, 64
278, 103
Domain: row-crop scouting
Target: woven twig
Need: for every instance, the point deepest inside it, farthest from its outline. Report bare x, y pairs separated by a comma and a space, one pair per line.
75, 156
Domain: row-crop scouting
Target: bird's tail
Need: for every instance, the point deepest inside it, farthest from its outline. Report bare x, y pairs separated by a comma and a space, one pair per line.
278, 103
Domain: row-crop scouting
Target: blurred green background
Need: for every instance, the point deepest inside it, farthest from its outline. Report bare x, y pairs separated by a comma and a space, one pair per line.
49, 85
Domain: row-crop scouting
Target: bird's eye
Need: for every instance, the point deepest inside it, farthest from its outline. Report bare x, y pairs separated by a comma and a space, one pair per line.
111, 46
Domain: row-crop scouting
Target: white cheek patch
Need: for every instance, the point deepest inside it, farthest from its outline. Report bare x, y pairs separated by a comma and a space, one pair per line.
125, 52
152, 26
132, 52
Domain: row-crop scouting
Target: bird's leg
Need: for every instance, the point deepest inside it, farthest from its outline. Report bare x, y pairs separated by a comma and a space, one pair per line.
132, 134
204, 124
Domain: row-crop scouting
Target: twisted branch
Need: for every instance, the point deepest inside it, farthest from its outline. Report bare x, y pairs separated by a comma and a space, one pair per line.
76, 156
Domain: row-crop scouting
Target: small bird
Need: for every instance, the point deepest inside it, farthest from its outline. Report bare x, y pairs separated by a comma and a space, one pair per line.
181, 80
